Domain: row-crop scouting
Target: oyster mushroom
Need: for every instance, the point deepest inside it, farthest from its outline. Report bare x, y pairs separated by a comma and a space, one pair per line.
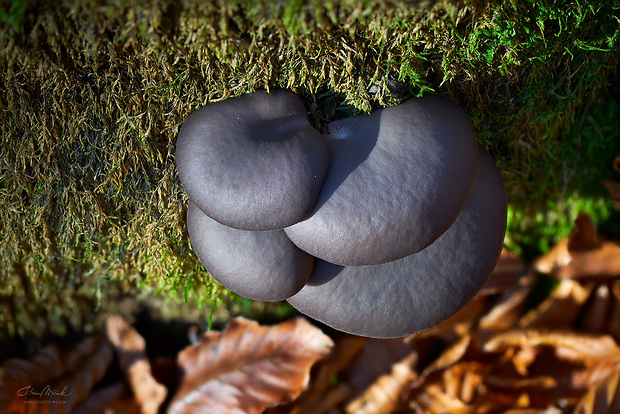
419, 291
397, 180
259, 265
252, 162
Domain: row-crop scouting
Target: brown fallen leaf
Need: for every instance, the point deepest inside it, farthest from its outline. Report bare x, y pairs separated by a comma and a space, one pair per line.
327, 388
570, 345
505, 314
52, 380
581, 255
583, 236
112, 399
561, 308
248, 367
433, 399
602, 399
385, 395
614, 190
506, 274
131, 350
376, 359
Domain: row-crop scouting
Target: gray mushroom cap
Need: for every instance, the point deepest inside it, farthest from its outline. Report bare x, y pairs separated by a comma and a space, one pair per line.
419, 291
397, 180
252, 162
259, 265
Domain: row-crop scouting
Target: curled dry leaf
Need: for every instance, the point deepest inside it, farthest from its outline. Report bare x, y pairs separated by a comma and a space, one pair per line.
53, 379
603, 399
561, 308
570, 345
322, 394
583, 254
112, 399
131, 350
248, 367
506, 274
385, 395
505, 314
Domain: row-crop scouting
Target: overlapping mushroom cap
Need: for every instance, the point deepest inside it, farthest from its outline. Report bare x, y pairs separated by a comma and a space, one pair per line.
419, 291
358, 228
252, 162
397, 180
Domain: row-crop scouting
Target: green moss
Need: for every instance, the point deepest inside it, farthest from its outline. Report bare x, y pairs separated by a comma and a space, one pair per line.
92, 95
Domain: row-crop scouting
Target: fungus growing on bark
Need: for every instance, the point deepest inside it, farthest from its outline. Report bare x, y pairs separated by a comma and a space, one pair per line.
252, 162
386, 225
397, 180
419, 291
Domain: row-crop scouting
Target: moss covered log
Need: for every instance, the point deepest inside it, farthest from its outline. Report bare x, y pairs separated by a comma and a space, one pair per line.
92, 95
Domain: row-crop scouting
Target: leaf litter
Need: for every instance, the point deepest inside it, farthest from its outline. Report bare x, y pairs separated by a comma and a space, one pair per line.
508, 350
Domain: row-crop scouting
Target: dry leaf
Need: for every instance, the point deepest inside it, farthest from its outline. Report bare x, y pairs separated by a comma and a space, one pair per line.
52, 380
603, 399
561, 308
603, 262
248, 367
113, 399
506, 313
376, 359
558, 256
385, 395
450, 356
569, 345
434, 400
463, 380
323, 394
594, 318
583, 236
614, 190
583, 254
131, 350
506, 274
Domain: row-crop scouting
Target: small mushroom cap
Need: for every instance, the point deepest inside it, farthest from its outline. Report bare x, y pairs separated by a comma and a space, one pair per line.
419, 291
252, 162
397, 180
259, 265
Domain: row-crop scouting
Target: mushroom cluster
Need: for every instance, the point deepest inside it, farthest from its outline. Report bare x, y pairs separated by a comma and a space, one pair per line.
383, 226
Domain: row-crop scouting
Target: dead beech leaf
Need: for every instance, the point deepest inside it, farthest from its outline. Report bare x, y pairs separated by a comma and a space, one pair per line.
506, 274
385, 395
583, 235
131, 350
248, 367
113, 399
561, 308
52, 378
506, 313
603, 399
594, 318
558, 256
602, 262
433, 399
322, 394
571, 346
450, 356
614, 190
376, 359
583, 254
